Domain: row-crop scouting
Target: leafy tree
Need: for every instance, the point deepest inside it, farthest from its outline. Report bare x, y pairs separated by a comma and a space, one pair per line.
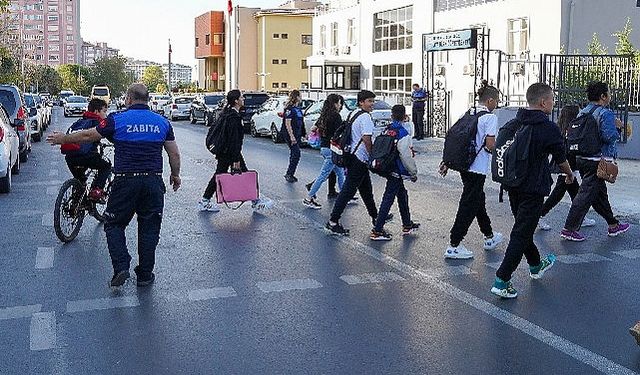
161, 87
153, 76
595, 47
9, 67
42, 78
75, 77
111, 72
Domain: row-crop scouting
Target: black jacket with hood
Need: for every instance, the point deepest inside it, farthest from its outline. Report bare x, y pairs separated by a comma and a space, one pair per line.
232, 135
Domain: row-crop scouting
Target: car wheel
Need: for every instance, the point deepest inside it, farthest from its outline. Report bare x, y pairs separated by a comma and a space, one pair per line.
192, 118
5, 182
254, 131
275, 134
16, 167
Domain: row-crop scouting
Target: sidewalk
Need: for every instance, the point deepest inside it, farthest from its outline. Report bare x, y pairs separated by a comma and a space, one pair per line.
623, 195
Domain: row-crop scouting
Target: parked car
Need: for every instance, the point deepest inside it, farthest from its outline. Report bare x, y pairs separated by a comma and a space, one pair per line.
9, 152
45, 110
252, 101
157, 101
75, 105
101, 92
34, 123
178, 107
204, 104
381, 113
12, 100
62, 97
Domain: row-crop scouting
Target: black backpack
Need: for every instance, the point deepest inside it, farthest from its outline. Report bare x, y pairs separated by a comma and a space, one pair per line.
341, 141
583, 135
510, 162
460, 142
214, 138
384, 153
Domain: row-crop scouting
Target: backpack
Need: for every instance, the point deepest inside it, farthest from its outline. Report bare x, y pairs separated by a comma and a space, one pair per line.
213, 141
79, 148
510, 161
384, 153
341, 142
460, 142
583, 135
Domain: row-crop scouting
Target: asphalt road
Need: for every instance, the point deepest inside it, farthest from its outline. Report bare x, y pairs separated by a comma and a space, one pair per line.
243, 292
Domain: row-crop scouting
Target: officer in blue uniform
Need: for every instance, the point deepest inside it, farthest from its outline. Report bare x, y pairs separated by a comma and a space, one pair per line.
419, 97
292, 131
139, 136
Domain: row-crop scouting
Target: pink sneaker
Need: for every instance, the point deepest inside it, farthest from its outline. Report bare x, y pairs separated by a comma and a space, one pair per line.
619, 229
572, 235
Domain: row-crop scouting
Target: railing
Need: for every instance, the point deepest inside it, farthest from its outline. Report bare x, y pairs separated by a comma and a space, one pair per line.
634, 100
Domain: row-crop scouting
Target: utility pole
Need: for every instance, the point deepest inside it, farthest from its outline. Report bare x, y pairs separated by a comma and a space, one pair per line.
169, 70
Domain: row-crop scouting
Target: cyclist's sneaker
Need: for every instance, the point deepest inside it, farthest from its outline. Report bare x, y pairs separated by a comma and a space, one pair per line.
572, 235
458, 252
635, 332
119, 279
619, 229
543, 224
208, 205
380, 236
97, 195
588, 222
408, 229
545, 263
311, 203
490, 243
503, 289
336, 229
262, 204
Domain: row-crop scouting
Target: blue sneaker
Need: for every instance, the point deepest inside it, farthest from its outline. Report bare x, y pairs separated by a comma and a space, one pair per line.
545, 263
503, 289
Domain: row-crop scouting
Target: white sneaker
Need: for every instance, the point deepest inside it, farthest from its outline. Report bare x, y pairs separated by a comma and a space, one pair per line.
493, 242
208, 205
262, 203
543, 225
459, 252
588, 222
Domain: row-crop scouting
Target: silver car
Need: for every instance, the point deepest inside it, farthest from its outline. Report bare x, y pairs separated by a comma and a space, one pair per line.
9, 152
75, 105
12, 100
381, 113
178, 108
157, 101
35, 122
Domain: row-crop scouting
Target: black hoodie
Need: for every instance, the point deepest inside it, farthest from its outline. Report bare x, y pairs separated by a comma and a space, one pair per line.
545, 140
232, 135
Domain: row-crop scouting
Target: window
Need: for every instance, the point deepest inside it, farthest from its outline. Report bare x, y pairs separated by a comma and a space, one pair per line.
342, 77
443, 5
303, 64
351, 31
69, 28
197, 42
207, 39
323, 37
217, 39
54, 58
518, 37
54, 47
275, 61
307, 39
393, 30
393, 79
283, 85
284, 36
53, 8
275, 85
283, 61
70, 38
334, 35
52, 28
276, 36
52, 18
53, 37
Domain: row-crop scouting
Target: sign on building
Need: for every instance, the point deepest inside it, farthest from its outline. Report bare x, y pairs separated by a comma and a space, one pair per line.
450, 40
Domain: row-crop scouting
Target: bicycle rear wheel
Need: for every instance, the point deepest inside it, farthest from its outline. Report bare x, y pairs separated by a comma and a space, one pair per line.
68, 213
97, 208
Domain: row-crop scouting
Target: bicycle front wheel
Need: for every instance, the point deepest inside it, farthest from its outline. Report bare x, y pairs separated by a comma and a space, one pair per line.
68, 213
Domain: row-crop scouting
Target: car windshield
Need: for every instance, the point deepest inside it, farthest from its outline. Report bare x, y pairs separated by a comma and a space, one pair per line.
76, 99
379, 104
183, 100
212, 99
65, 94
254, 100
28, 99
8, 101
100, 92
163, 97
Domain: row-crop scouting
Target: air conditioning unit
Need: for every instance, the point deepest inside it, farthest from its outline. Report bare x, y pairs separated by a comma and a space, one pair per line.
468, 70
440, 70
346, 50
518, 69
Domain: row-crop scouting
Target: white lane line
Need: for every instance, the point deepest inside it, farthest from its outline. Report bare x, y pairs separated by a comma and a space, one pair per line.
559, 343
449, 271
369, 278
629, 254
582, 258
47, 220
102, 304
44, 258
17, 312
212, 293
42, 332
285, 285
53, 173
52, 190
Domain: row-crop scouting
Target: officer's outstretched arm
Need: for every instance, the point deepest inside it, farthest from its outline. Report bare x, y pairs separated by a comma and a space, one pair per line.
85, 136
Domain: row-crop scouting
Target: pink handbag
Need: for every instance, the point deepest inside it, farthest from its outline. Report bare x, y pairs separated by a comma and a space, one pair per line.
237, 187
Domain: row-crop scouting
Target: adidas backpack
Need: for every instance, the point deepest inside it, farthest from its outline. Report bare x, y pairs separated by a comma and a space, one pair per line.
214, 138
460, 142
510, 162
583, 135
384, 153
341, 141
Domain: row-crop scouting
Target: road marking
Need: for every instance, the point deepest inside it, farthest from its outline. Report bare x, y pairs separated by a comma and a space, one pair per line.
42, 332
582, 258
53, 173
285, 285
17, 312
44, 258
47, 220
441, 272
559, 343
629, 254
212, 293
52, 190
102, 304
368, 278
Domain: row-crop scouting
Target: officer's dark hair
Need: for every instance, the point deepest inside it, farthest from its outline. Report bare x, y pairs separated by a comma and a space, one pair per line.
398, 112
596, 89
96, 105
364, 95
416, 85
486, 92
232, 97
138, 92
537, 92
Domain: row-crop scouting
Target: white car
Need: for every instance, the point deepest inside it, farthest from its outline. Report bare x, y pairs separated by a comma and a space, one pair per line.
267, 120
75, 105
9, 152
178, 108
157, 101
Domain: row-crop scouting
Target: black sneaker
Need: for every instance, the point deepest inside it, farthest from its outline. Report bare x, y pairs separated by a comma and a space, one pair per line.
332, 195
309, 185
290, 178
380, 236
147, 281
408, 229
119, 279
388, 219
337, 229
311, 203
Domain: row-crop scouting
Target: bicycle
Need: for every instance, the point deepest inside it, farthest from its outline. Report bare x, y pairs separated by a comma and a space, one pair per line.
73, 203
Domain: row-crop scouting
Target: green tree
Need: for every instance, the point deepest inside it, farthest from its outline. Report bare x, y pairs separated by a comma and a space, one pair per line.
9, 67
111, 72
595, 47
42, 78
153, 76
161, 87
75, 77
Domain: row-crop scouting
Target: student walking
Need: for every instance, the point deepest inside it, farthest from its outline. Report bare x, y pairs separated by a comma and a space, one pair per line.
473, 201
531, 130
327, 124
593, 190
405, 168
292, 131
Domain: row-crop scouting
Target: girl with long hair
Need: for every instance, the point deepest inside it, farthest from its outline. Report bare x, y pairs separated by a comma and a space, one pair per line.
292, 129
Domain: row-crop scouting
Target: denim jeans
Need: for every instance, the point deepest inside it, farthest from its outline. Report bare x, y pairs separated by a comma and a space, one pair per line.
395, 188
326, 170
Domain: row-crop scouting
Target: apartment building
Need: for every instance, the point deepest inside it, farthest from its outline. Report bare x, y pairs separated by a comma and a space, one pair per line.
180, 74
47, 31
137, 67
90, 53
210, 50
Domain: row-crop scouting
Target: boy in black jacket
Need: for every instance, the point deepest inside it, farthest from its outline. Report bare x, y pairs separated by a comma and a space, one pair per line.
526, 200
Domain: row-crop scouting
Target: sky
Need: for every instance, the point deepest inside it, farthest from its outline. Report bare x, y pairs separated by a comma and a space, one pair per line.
141, 28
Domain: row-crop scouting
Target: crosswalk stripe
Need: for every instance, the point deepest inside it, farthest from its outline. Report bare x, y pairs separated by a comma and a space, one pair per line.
367, 278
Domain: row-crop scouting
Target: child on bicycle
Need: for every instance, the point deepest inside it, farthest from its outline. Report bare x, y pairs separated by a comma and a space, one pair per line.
81, 157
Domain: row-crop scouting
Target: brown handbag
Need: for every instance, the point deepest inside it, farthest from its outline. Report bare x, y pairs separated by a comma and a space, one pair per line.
607, 171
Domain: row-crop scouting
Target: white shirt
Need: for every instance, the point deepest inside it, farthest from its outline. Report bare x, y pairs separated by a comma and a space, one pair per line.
487, 127
363, 125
